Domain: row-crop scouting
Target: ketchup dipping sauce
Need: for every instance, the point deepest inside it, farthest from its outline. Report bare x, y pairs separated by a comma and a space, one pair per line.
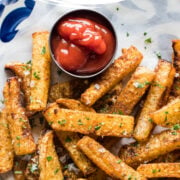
83, 43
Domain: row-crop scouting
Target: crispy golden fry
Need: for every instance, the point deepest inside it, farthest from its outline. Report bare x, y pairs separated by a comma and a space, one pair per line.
73, 104
6, 148
175, 92
69, 141
22, 71
40, 75
168, 115
127, 63
71, 89
19, 169
103, 104
99, 174
133, 91
169, 157
32, 170
160, 170
154, 100
106, 161
49, 164
157, 145
89, 122
20, 129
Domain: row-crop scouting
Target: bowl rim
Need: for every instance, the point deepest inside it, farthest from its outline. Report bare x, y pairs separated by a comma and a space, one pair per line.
88, 75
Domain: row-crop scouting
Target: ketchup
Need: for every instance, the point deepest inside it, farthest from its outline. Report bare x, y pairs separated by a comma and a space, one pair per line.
83, 46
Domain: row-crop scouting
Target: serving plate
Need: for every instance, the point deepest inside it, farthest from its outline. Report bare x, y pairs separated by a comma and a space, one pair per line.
135, 22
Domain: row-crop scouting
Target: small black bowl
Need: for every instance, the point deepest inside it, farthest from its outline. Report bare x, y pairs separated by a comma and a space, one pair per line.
91, 15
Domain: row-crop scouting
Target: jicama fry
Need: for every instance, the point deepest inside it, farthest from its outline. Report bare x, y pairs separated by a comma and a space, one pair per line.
127, 63
73, 104
22, 71
106, 161
69, 141
133, 91
19, 169
157, 145
89, 122
160, 170
49, 164
32, 169
168, 115
103, 104
6, 148
154, 100
20, 129
71, 89
175, 92
40, 75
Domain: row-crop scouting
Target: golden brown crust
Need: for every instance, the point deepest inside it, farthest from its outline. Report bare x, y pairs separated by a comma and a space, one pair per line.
157, 145
69, 141
160, 170
168, 115
73, 104
176, 62
155, 99
49, 164
6, 148
89, 122
40, 75
133, 91
127, 63
106, 161
20, 129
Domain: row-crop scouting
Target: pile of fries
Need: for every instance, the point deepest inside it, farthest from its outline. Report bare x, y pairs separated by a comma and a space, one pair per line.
84, 119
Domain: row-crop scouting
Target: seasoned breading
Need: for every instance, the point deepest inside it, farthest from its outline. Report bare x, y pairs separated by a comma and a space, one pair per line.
40, 75
73, 104
133, 91
6, 148
168, 115
155, 99
69, 141
127, 63
89, 122
160, 170
49, 164
176, 62
157, 145
112, 165
20, 129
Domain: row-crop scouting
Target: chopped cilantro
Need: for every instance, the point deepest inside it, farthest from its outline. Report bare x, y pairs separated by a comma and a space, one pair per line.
62, 122
80, 122
166, 112
155, 170
174, 133
119, 161
56, 171
176, 127
18, 137
148, 41
158, 55
29, 62
18, 172
43, 51
117, 9
127, 34
97, 127
36, 75
49, 158
145, 33
150, 120
120, 125
90, 127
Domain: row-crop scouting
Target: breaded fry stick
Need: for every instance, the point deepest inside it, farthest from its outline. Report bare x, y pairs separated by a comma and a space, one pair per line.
73, 104
157, 145
160, 170
6, 148
168, 115
103, 104
106, 161
20, 129
40, 76
154, 100
133, 91
127, 63
89, 122
175, 92
69, 141
49, 164
23, 71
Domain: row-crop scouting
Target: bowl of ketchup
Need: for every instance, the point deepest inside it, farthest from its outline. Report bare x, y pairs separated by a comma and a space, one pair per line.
83, 43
